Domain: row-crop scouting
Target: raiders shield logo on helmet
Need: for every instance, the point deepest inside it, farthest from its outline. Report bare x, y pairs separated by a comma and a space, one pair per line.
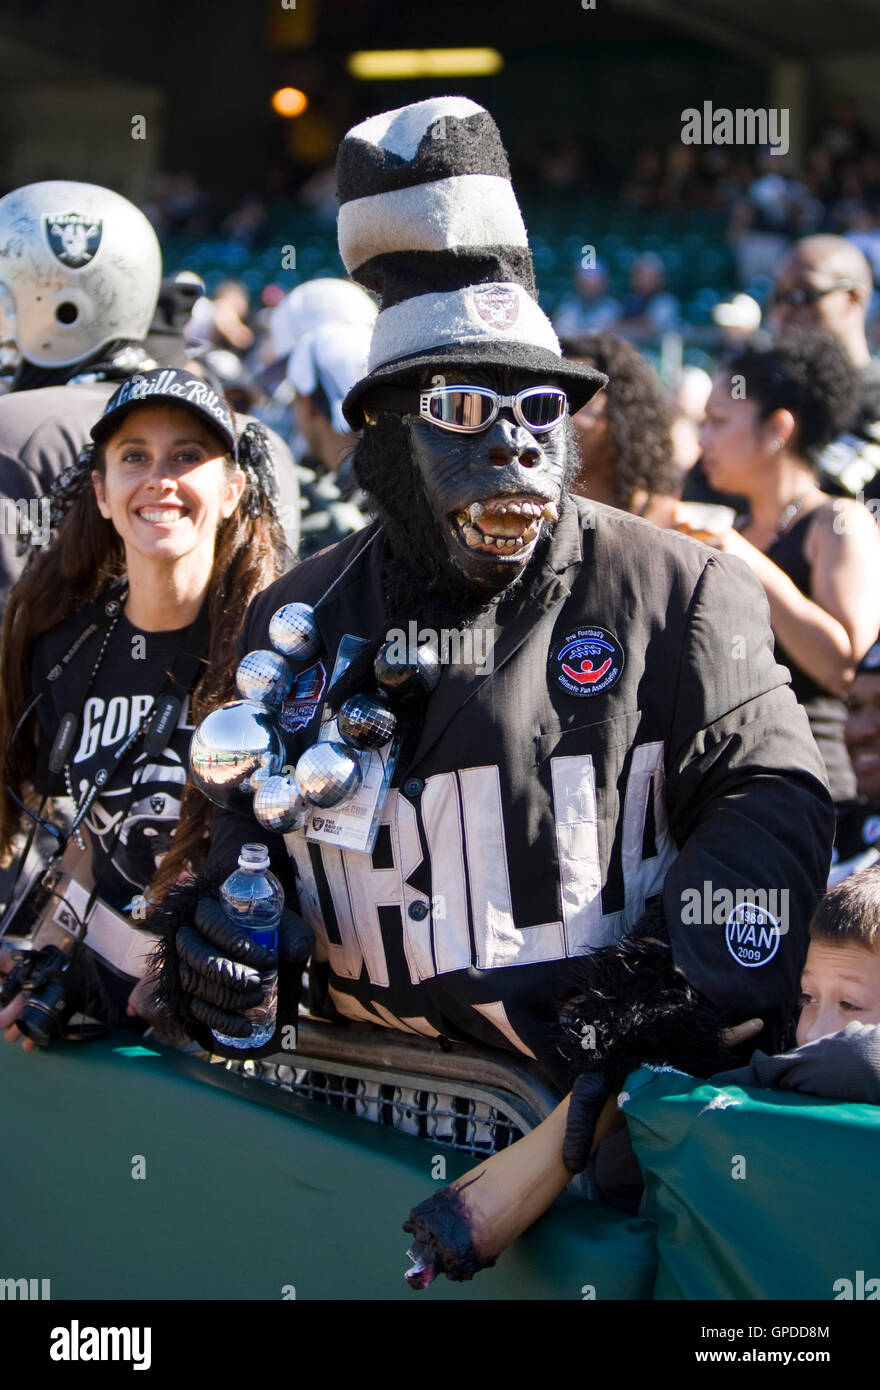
496, 305
72, 238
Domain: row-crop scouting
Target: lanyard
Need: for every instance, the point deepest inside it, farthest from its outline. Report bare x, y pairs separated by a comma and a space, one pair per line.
160, 721
158, 726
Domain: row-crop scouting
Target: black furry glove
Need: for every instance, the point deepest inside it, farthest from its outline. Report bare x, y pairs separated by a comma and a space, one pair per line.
628, 1005
206, 971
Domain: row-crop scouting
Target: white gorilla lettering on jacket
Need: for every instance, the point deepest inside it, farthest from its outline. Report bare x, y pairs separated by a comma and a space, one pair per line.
464, 830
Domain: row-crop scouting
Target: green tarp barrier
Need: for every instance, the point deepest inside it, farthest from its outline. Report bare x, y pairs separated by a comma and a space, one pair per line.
240, 1200
757, 1194
245, 1193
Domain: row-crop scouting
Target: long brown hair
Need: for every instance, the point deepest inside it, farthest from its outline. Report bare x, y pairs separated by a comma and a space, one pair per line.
83, 557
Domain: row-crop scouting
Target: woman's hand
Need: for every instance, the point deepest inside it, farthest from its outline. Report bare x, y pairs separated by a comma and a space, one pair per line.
10, 1013
730, 541
140, 1001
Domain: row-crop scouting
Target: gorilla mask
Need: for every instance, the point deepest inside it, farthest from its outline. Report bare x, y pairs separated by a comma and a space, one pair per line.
489, 496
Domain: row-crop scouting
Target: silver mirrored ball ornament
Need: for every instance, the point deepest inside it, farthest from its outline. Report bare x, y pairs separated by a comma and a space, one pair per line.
231, 746
366, 722
294, 632
263, 773
328, 773
279, 805
264, 676
406, 671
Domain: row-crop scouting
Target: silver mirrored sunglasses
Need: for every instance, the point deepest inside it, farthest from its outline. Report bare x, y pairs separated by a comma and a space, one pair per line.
468, 409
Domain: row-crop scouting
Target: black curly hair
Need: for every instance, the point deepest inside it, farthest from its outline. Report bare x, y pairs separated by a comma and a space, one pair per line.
639, 416
805, 371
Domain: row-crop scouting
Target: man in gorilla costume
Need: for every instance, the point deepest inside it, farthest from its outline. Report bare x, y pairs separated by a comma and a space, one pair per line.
630, 749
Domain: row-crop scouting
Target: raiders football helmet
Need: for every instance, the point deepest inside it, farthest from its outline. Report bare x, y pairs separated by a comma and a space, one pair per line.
82, 267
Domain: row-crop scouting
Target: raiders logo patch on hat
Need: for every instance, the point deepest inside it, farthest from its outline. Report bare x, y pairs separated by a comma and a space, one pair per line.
496, 305
73, 239
587, 662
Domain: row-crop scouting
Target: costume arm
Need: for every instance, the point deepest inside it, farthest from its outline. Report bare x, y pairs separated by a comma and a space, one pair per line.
229, 831
748, 807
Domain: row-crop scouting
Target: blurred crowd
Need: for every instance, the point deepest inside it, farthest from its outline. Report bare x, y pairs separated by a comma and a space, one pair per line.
753, 204
835, 188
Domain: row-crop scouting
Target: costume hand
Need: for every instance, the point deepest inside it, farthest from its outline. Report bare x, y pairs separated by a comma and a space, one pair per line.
592, 1111
220, 965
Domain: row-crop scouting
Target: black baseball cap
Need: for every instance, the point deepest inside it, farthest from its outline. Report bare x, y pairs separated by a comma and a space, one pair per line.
167, 386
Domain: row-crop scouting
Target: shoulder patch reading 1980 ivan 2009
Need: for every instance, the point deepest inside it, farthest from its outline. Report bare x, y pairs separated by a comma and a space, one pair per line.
752, 934
587, 662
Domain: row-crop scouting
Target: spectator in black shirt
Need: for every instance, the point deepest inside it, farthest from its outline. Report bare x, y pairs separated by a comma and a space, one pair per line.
162, 533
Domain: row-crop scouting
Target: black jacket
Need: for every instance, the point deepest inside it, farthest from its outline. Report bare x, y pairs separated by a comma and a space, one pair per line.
533, 823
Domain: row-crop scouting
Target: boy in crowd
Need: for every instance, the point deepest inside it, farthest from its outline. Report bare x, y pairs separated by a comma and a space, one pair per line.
840, 983
838, 1032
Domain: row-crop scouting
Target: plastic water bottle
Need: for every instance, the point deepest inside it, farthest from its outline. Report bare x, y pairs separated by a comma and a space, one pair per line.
253, 899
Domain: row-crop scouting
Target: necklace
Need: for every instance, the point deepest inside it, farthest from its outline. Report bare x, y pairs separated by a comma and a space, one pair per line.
789, 515
115, 607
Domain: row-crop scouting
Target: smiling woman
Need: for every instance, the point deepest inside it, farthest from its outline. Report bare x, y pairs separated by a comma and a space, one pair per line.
117, 639
166, 480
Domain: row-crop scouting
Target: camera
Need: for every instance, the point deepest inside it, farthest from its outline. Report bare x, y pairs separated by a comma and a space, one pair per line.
43, 978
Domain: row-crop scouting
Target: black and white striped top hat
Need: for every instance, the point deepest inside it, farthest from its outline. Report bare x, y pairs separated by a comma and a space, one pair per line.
429, 221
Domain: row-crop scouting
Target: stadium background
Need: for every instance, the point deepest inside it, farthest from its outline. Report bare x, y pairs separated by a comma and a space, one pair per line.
589, 102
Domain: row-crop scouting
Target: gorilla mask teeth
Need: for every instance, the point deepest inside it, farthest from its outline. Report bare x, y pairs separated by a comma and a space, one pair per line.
504, 525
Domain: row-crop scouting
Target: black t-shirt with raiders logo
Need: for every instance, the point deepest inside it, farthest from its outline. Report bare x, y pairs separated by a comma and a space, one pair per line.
144, 791
130, 823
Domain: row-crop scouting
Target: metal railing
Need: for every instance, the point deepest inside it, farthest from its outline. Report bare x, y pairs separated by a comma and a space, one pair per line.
473, 1100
